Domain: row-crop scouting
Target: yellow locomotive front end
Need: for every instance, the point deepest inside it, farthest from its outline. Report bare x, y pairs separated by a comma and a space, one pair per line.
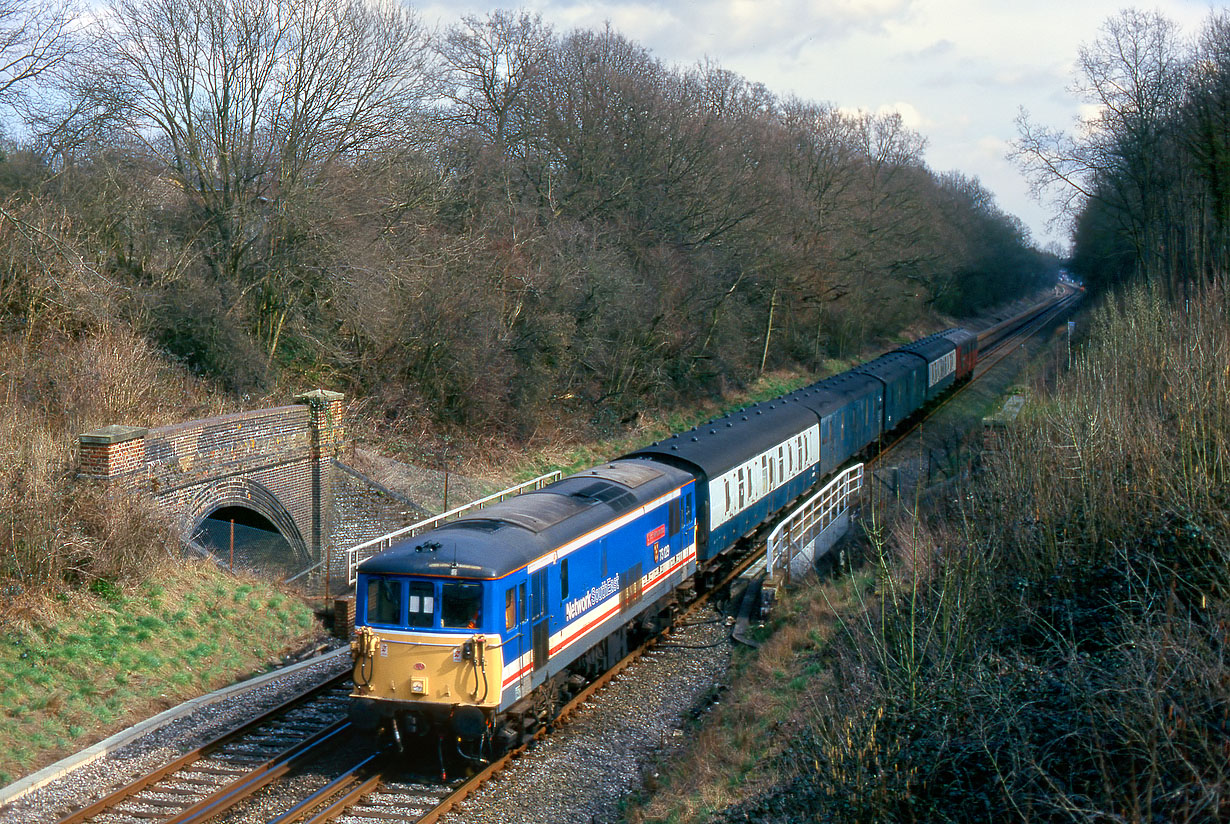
422, 660
427, 668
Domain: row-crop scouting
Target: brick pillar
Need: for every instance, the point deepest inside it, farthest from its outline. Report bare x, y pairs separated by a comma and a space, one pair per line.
327, 432
113, 453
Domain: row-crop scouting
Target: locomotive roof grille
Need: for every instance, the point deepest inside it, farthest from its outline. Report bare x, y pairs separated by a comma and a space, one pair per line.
600, 492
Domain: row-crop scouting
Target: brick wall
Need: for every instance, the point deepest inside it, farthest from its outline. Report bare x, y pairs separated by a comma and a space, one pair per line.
280, 462
277, 462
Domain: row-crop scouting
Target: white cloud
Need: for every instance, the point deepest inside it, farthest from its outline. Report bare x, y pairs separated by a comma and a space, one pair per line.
910, 115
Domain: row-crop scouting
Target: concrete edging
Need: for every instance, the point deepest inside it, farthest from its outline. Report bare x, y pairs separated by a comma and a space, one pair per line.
64, 766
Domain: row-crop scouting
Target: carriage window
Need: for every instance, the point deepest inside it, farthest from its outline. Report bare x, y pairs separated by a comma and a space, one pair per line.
383, 601
510, 608
460, 606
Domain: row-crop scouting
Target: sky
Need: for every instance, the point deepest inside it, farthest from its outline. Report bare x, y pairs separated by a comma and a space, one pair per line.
958, 71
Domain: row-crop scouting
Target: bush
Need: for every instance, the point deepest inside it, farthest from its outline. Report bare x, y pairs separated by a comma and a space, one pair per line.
1062, 658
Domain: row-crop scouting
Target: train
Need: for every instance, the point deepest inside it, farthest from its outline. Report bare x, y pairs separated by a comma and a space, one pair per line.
469, 637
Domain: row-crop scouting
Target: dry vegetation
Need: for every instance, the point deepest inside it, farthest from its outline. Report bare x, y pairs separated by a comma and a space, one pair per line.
1053, 648
57, 531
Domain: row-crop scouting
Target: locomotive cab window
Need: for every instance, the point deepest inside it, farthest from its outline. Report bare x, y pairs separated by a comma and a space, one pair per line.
510, 608
421, 603
563, 579
383, 601
461, 604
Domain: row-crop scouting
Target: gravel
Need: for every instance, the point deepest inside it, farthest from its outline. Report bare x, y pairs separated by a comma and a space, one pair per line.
95, 779
584, 770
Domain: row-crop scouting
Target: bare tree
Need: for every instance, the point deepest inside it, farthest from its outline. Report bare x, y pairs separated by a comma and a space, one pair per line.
489, 65
248, 102
1133, 75
36, 37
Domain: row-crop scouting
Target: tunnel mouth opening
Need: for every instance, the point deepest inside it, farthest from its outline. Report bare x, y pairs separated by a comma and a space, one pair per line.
243, 539
242, 515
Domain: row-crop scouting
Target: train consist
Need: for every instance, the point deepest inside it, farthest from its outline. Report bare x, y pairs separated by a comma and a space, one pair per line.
473, 633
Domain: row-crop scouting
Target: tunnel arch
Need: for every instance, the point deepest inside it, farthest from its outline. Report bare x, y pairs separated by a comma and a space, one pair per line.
244, 494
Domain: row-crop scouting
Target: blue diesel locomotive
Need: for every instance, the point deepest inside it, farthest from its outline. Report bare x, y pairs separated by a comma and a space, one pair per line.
476, 631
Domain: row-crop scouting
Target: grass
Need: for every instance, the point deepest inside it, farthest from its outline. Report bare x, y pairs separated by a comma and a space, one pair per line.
1052, 649
83, 664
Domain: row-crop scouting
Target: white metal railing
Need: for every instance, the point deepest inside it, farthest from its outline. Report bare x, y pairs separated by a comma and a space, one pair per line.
802, 526
357, 554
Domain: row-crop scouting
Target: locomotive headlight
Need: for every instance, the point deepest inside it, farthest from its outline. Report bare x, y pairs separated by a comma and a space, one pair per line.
418, 686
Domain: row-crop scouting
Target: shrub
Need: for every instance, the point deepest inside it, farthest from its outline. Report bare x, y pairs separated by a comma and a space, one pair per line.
1062, 657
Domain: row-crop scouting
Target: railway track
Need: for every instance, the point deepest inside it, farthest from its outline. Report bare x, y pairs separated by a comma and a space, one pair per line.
216, 776
214, 779
994, 345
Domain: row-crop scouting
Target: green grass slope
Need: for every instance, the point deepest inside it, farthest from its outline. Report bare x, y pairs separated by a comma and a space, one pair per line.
86, 663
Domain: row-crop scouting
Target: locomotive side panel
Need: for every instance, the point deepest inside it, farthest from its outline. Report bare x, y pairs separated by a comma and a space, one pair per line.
612, 576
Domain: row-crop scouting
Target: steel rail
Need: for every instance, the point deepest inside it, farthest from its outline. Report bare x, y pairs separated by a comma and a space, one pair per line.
228, 796
125, 792
336, 793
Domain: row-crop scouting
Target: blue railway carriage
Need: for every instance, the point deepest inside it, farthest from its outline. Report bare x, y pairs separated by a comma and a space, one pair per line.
904, 377
455, 626
940, 353
748, 465
851, 411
